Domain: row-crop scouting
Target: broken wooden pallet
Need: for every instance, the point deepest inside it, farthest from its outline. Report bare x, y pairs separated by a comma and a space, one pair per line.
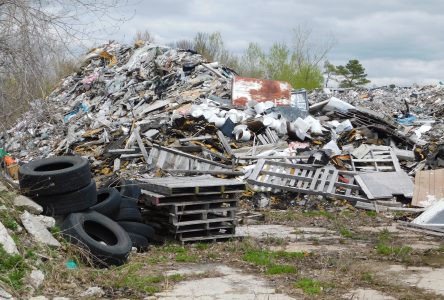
375, 158
305, 179
169, 158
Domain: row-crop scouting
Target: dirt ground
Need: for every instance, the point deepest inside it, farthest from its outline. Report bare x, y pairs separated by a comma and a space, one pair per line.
348, 254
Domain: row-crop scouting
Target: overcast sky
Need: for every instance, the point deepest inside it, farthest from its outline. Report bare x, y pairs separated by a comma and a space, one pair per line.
397, 41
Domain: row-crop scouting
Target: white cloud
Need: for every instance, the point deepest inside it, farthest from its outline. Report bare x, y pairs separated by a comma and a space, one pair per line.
397, 41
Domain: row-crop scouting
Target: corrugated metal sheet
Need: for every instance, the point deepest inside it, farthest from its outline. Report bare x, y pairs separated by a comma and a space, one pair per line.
290, 103
246, 89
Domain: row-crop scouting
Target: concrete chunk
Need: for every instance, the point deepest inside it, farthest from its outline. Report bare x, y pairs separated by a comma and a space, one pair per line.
48, 221
4, 294
28, 204
37, 230
36, 278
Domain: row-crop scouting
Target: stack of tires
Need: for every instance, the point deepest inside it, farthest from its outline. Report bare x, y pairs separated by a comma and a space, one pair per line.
104, 222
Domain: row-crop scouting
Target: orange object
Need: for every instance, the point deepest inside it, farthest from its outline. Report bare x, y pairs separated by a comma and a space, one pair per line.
9, 160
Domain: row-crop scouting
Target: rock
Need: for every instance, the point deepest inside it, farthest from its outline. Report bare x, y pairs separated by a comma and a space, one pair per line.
60, 298
28, 204
92, 291
5, 295
36, 278
37, 230
2, 207
48, 221
38, 298
6, 241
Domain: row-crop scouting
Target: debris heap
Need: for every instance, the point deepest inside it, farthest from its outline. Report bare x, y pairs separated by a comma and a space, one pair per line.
153, 111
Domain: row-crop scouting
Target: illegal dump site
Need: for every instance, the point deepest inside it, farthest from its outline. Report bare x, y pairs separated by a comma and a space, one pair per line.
152, 173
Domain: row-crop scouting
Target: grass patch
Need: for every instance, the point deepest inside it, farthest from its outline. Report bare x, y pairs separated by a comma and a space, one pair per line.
384, 249
258, 257
12, 269
7, 220
202, 246
157, 259
346, 233
129, 277
318, 213
309, 286
371, 213
280, 269
184, 257
384, 236
289, 255
267, 258
367, 277
173, 249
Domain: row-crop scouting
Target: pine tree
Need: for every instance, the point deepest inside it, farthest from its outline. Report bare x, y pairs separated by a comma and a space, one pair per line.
353, 74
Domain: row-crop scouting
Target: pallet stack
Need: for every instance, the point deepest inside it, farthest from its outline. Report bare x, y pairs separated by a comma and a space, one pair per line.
193, 208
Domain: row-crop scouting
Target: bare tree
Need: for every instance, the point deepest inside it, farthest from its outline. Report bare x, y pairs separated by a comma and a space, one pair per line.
144, 36
35, 37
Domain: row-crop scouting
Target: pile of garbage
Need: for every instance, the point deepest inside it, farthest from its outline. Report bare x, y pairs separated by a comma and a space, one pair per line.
153, 111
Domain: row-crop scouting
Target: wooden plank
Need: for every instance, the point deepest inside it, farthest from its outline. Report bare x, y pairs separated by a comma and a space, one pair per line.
225, 143
429, 185
196, 138
140, 143
333, 179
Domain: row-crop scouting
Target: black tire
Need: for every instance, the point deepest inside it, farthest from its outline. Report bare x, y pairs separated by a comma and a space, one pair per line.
55, 175
89, 229
108, 202
139, 241
128, 202
138, 228
129, 214
75, 201
129, 188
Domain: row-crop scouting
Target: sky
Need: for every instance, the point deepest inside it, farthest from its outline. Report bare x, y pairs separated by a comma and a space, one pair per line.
397, 41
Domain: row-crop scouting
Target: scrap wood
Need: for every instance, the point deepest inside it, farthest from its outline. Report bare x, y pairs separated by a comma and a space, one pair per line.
429, 187
378, 185
378, 207
140, 143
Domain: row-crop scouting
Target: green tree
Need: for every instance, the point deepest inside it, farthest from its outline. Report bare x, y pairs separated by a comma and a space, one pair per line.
251, 62
297, 63
352, 74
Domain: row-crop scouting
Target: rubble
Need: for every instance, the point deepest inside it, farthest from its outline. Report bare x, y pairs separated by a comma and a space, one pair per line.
37, 230
6, 241
26, 203
36, 278
154, 111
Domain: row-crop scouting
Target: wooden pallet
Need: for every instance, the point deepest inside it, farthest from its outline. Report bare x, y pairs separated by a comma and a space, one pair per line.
201, 227
202, 218
206, 235
183, 186
376, 160
158, 200
306, 179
